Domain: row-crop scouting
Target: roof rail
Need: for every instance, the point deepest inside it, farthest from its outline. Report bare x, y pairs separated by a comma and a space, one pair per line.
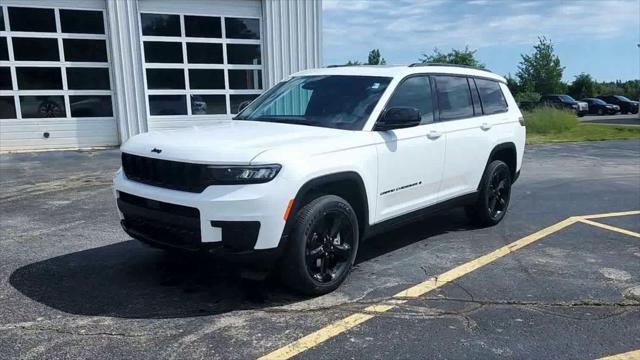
450, 65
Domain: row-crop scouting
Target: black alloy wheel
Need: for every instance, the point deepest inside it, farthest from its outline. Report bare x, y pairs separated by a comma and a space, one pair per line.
499, 193
329, 247
494, 194
322, 246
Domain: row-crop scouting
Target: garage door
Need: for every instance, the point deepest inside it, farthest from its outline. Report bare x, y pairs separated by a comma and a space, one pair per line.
201, 59
55, 76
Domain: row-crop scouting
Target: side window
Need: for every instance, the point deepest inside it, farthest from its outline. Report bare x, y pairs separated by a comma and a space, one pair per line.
454, 97
414, 92
493, 101
477, 105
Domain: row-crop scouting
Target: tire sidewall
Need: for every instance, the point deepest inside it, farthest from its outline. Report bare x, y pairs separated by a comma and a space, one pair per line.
483, 198
297, 276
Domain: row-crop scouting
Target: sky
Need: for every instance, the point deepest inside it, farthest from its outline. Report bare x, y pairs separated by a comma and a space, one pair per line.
598, 37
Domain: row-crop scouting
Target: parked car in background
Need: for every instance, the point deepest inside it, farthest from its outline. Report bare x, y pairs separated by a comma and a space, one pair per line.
600, 107
626, 105
566, 102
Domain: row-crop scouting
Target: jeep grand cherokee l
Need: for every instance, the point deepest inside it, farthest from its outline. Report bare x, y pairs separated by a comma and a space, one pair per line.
322, 161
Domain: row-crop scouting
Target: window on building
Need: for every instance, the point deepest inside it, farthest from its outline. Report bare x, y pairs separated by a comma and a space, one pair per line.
454, 97
414, 92
58, 63
200, 65
493, 101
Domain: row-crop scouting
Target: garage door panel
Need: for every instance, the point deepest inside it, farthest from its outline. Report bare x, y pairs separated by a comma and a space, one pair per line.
216, 58
63, 90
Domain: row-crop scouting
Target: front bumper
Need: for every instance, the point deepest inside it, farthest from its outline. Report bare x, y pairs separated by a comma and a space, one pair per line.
230, 218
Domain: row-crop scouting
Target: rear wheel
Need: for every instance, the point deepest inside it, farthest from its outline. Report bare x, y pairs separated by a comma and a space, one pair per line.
322, 246
494, 196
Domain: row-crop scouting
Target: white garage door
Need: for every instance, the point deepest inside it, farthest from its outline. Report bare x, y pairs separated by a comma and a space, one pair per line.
55, 76
202, 59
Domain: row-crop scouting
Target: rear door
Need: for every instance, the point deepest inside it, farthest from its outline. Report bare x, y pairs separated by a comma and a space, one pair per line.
410, 160
468, 132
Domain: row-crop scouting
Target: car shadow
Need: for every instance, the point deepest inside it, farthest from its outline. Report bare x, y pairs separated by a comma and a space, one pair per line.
130, 280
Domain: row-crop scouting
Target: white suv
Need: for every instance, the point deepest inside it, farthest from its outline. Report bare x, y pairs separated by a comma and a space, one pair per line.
322, 161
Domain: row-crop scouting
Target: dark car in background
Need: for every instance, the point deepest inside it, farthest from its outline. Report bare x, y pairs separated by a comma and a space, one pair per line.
626, 105
565, 102
600, 107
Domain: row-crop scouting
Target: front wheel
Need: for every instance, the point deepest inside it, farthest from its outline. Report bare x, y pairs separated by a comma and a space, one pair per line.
494, 195
322, 246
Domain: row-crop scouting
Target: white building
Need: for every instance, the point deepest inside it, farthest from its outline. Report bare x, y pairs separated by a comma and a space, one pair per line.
92, 73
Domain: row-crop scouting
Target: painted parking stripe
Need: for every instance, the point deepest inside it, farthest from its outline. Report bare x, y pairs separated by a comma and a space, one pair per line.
631, 355
615, 214
609, 227
338, 327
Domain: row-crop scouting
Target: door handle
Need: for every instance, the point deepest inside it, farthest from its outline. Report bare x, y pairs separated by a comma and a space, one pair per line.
433, 135
485, 126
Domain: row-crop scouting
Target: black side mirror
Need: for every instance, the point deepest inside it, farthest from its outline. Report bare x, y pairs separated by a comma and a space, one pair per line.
398, 118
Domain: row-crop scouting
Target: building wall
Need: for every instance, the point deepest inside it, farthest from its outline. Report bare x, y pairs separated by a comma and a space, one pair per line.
290, 40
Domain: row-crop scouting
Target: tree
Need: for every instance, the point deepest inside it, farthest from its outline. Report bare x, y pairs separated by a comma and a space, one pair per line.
582, 86
459, 57
541, 71
353, 62
375, 58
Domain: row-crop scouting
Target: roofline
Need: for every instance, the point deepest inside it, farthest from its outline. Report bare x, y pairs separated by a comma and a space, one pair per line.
451, 65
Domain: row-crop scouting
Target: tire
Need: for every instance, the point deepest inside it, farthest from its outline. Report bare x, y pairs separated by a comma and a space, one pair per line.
316, 261
600, 112
496, 180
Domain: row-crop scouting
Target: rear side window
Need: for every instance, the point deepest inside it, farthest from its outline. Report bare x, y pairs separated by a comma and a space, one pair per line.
414, 92
454, 97
493, 101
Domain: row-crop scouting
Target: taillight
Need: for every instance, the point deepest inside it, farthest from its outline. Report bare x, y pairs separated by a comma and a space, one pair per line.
521, 120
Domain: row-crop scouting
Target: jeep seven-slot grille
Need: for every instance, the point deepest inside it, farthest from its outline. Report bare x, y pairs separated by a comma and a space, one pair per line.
165, 173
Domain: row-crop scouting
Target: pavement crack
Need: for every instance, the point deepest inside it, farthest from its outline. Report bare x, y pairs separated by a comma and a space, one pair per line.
82, 333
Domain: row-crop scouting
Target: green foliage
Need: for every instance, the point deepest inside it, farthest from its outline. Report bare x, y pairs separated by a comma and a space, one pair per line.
583, 86
630, 89
541, 71
546, 120
375, 58
459, 57
527, 96
353, 62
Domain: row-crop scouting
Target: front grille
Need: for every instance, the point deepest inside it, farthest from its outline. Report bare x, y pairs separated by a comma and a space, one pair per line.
168, 174
160, 222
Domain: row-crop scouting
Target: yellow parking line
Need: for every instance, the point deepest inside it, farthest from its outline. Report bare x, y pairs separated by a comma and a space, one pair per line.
455, 273
354, 320
631, 355
624, 213
609, 227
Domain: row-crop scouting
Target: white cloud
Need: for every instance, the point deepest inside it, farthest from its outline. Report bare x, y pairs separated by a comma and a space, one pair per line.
352, 27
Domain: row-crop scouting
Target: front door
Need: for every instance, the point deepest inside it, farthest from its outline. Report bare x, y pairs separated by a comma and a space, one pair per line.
410, 160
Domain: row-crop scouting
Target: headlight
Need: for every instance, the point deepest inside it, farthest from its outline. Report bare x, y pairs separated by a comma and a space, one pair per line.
227, 175
575, 106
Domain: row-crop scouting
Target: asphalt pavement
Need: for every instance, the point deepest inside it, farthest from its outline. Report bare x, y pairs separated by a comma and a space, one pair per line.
73, 285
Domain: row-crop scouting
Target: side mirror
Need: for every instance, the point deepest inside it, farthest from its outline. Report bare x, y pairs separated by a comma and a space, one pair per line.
398, 118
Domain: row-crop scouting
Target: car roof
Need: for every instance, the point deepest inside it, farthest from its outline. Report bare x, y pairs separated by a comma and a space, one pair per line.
399, 71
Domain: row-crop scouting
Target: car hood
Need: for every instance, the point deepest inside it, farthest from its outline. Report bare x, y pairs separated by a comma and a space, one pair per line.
237, 142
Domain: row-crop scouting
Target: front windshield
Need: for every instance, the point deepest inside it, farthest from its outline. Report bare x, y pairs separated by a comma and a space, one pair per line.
566, 98
334, 101
622, 98
598, 101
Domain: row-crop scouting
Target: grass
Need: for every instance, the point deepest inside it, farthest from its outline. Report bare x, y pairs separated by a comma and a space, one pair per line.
548, 125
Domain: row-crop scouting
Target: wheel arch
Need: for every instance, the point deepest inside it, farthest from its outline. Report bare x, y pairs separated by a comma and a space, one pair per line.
347, 184
507, 153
